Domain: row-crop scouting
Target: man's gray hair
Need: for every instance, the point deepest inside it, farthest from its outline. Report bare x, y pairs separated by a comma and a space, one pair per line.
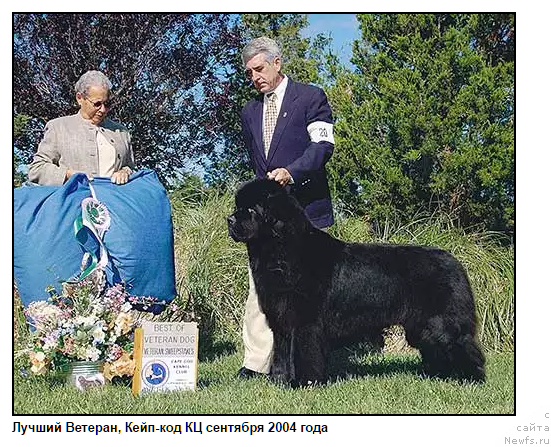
265, 45
92, 78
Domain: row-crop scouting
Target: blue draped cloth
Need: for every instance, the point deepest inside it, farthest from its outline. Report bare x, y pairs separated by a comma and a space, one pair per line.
139, 241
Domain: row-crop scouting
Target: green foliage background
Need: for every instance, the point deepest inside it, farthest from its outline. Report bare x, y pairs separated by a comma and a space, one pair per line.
427, 121
424, 115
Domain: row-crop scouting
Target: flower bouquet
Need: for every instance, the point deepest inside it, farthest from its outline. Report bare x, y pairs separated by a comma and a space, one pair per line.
89, 322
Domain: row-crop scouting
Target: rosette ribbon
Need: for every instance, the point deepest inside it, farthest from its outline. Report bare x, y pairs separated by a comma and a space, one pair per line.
90, 226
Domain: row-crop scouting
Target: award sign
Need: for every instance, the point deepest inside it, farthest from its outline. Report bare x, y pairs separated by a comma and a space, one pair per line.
165, 356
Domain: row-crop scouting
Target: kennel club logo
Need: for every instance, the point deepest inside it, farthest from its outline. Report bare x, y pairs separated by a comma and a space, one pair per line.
155, 373
166, 356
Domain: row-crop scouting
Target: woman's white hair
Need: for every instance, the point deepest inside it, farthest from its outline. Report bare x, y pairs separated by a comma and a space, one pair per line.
92, 78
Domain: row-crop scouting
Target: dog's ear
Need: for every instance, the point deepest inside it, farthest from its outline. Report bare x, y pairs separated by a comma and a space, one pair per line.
283, 212
277, 200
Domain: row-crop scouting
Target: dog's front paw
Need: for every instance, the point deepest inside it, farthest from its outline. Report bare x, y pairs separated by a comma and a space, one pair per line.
276, 378
285, 381
282, 376
306, 383
291, 382
279, 377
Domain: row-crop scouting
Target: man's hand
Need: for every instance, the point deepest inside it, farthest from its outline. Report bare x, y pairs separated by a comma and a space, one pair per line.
280, 175
121, 177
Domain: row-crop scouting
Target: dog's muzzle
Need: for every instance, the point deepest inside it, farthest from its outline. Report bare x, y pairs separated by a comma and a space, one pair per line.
232, 226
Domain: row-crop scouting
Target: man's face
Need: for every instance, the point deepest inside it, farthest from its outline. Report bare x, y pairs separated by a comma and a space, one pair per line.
265, 75
95, 104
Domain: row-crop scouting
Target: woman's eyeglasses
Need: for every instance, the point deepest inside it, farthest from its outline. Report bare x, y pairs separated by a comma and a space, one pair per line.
98, 104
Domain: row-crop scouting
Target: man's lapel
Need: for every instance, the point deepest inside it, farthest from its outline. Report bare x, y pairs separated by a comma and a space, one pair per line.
256, 118
257, 121
285, 114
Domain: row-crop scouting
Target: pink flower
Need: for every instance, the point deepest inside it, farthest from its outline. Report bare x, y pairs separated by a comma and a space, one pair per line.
114, 353
68, 345
174, 307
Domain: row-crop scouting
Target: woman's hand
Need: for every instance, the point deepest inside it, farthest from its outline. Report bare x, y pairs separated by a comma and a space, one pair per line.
121, 177
70, 173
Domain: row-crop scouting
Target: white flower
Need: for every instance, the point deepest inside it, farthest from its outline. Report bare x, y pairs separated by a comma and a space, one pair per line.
98, 334
91, 320
92, 354
81, 352
126, 307
43, 315
123, 323
51, 340
39, 356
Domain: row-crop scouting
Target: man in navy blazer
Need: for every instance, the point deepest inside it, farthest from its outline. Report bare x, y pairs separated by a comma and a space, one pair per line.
288, 131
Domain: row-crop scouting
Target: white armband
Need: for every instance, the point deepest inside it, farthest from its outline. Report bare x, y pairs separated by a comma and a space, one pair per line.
321, 131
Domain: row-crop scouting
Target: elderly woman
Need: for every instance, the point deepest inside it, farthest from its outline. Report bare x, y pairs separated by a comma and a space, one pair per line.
86, 142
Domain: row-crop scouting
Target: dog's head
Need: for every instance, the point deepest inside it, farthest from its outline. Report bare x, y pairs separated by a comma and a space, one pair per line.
263, 208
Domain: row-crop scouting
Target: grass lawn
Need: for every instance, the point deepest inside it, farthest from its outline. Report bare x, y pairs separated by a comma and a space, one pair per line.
373, 384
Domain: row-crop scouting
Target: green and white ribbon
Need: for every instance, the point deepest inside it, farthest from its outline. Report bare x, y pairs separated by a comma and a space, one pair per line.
95, 219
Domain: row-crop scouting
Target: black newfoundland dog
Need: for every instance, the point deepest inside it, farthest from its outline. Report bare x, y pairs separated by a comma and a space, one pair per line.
319, 292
